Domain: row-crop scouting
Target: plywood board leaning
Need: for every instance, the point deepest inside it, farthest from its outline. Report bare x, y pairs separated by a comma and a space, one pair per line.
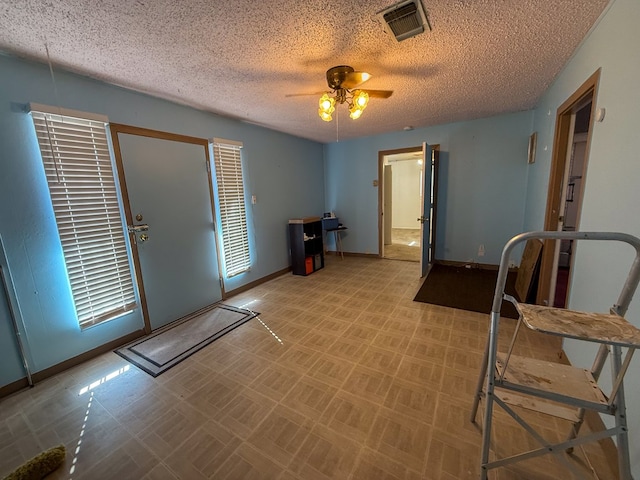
527, 269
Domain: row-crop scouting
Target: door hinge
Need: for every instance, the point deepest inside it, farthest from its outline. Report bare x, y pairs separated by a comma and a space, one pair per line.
208, 166
221, 283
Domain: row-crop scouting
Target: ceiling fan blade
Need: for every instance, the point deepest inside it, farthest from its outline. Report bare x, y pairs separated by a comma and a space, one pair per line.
379, 93
353, 79
304, 94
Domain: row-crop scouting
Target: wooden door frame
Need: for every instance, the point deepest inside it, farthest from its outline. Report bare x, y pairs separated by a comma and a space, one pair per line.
556, 175
117, 128
386, 183
434, 180
381, 155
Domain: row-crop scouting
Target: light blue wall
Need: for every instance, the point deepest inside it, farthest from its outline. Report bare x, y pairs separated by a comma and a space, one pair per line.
611, 193
284, 172
482, 185
286, 175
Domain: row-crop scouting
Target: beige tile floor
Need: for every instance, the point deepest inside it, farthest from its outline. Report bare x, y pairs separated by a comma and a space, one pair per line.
405, 245
342, 377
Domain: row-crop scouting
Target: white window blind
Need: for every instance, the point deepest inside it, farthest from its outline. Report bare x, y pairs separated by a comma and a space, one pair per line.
82, 186
233, 213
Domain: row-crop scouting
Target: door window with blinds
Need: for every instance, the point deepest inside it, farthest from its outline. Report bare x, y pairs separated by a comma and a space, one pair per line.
82, 185
231, 202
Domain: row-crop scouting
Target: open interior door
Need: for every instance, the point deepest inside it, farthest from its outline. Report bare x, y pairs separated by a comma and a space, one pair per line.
425, 209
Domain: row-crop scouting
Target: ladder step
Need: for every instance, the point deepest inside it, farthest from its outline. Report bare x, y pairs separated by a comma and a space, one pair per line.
552, 378
596, 327
538, 405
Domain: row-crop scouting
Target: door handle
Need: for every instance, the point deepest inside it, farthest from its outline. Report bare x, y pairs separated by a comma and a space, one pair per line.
138, 228
422, 219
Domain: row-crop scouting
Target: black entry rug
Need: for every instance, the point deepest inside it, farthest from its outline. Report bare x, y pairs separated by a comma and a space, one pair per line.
158, 352
465, 288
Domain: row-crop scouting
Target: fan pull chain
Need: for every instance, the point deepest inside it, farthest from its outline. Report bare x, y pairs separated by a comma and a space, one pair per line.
56, 165
53, 78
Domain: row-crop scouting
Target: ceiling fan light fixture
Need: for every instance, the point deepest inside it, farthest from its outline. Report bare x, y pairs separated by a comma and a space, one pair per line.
324, 115
355, 112
327, 103
327, 107
361, 99
344, 83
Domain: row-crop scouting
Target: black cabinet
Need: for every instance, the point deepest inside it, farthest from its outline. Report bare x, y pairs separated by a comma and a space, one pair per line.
307, 251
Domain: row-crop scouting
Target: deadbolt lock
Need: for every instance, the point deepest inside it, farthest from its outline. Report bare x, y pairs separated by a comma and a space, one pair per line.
139, 217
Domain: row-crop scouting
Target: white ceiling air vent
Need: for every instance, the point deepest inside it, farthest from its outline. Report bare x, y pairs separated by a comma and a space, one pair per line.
404, 20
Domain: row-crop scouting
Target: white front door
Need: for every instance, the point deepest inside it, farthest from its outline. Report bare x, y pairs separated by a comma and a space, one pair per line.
168, 188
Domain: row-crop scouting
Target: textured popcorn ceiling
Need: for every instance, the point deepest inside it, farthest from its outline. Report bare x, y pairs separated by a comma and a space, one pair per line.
239, 58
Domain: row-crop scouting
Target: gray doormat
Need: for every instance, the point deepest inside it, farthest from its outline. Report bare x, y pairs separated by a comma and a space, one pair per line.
158, 352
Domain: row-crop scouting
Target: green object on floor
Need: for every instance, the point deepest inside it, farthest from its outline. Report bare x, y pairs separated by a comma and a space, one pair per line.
39, 466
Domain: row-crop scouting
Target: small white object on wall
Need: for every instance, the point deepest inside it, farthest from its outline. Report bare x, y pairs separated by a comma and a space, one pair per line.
600, 113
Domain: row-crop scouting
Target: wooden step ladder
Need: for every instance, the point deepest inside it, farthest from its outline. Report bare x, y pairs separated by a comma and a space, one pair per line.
554, 389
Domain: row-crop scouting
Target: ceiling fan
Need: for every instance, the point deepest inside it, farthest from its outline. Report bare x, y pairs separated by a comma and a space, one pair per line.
343, 82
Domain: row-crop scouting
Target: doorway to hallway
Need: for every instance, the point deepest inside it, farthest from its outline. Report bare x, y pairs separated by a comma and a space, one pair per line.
407, 201
402, 197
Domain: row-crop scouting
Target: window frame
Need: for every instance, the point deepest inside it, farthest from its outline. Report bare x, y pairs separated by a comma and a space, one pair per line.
232, 206
83, 187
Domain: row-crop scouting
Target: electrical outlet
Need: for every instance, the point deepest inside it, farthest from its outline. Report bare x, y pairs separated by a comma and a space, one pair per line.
481, 250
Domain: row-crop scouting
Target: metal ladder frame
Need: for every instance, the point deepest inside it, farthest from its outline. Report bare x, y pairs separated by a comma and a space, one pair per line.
616, 402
